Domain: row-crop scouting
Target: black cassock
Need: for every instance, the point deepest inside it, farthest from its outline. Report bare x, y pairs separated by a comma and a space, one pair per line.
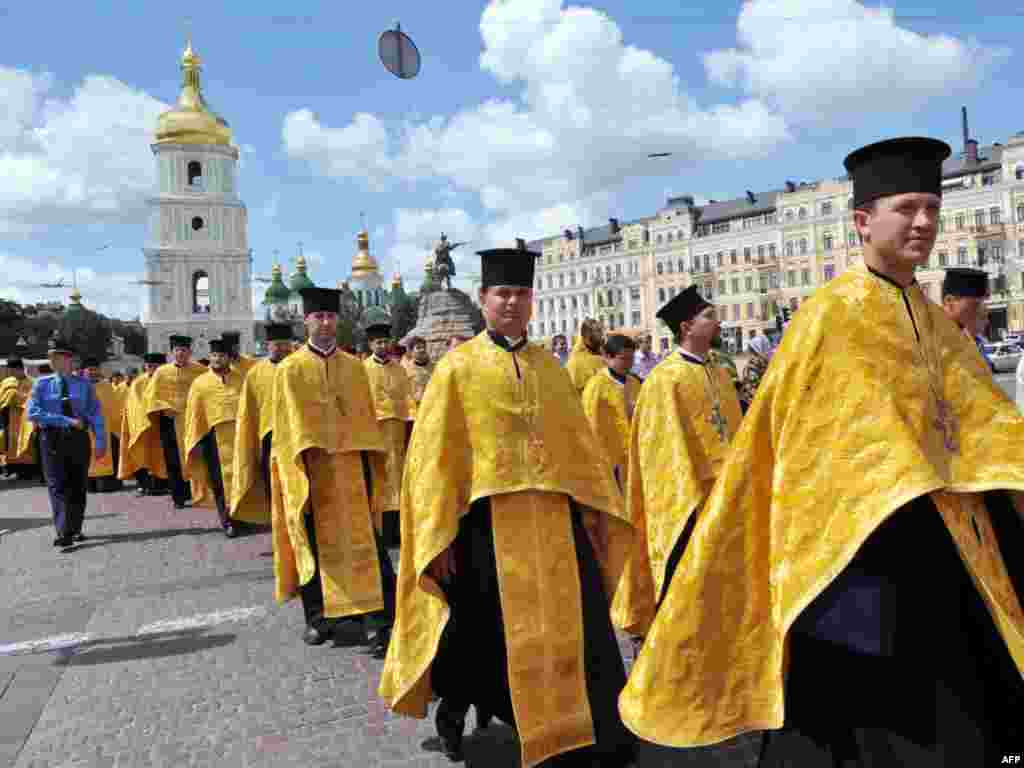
471, 666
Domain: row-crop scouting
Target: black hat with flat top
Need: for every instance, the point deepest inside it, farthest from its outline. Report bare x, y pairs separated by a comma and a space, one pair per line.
91, 362
180, 341
15, 363
154, 358
220, 346
683, 307
896, 167
965, 283
62, 345
508, 266
279, 332
320, 300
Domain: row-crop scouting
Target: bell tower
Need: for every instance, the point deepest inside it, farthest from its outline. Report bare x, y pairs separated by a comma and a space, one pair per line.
198, 262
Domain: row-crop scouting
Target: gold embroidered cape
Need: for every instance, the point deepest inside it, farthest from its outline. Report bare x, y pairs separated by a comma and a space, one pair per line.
140, 435
392, 392
323, 406
609, 406
842, 433
521, 441
675, 454
582, 364
244, 364
112, 406
26, 451
249, 501
167, 390
212, 406
14, 396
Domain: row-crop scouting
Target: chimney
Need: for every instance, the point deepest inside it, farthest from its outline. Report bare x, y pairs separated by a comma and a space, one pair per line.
750, 197
967, 134
790, 186
568, 234
971, 148
614, 224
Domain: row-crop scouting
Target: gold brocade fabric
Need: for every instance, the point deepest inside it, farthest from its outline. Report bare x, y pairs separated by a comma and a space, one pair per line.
112, 405
324, 404
419, 376
212, 405
609, 406
249, 501
244, 364
167, 392
140, 435
26, 452
485, 432
391, 389
675, 454
387, 470
582, 365
842, 433
14, 397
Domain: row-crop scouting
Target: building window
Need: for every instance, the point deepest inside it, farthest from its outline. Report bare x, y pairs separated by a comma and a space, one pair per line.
750, 310
763, 280
826, 209
1020, 213
803, 245
573, 302
561, 281
941, 225
789, 215
749, 284
634, 294
622, 320
979, 219
572, 278
746, 255
660, 268
805, 276
760, 254
668, 266
791, 278
982, 255
943, 259
200, 293
995, 215
735, 311
827, 242
997, 254
618, 270
608, 274
563, 325
720, 227
771, 251
672, 292
661, 296
720, 258
849, 203
658, 239
988, 179
682, 265
961, 256
540, 284
960, 221
721, 287
830, 272
696, 263
789, 248
733, 259
561, 303
802, 213
195, 174
551, 282
586, 301
668, 237
636, 318
735, 285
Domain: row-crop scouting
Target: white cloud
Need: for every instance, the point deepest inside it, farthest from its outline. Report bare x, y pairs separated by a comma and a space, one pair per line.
75, 160
590, 109
826, 60
114, 294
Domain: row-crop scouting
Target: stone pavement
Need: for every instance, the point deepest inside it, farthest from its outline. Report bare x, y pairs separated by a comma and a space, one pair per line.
158, 643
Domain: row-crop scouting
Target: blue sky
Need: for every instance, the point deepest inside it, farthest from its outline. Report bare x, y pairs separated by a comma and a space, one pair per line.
548, 129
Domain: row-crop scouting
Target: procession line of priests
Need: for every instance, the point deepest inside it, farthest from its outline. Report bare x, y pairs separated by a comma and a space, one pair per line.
391, 392
15, 391
142, 455
585, 359
210, 415
853, 583
419, 369
103, 470
686, 414
514, 538
250, 494
166, 398
325, 429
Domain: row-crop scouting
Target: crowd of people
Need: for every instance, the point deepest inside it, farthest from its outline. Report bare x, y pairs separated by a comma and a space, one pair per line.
825, 548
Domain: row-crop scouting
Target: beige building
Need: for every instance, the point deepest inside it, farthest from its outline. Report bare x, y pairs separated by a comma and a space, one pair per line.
759, 253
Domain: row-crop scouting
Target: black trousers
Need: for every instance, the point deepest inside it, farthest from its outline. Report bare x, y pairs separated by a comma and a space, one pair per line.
265, 448
312, 592
110, 483
66, 454
211, 456
169, 441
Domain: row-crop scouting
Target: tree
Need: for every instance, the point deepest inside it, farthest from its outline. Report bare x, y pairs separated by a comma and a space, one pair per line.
349, 333
403, 315
88, 332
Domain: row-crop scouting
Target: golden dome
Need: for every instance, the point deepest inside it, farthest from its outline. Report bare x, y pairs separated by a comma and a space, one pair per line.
192, 121
363, 264
396, 280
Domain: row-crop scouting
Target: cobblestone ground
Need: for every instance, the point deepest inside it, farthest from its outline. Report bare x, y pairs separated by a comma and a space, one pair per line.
157, 643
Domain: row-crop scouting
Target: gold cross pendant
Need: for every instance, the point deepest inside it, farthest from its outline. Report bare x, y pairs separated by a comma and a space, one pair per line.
946, 422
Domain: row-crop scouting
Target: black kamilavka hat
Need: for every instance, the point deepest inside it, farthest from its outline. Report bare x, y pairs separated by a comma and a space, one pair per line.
508, 266
279, 332
683, 307
320, 300
965, 283
896, 167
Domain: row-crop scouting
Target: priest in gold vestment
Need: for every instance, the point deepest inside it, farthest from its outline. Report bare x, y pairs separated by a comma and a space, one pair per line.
585, 359
166, 398
327, 547
210, 415
15, 391
250, 487
418, 368
514, 540
391, 390
103, 469
142, 455
687, 413
608, 402
853, 584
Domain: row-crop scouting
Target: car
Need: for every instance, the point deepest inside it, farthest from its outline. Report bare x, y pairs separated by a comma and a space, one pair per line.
1004, 356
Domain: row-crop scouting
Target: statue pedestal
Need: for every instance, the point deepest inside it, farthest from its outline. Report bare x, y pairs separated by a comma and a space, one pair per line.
443, 314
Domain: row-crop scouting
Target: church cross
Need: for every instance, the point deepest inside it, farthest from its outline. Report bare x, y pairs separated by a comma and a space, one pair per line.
946, 422
717, 420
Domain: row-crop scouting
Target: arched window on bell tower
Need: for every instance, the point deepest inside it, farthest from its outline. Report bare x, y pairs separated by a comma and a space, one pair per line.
195, 174
200, 293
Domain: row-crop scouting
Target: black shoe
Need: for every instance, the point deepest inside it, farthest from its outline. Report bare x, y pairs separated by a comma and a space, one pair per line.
347, 633
63, 541
315, 636
179, 504
449, 732
231, 532
80, 537
141, 492
379, 646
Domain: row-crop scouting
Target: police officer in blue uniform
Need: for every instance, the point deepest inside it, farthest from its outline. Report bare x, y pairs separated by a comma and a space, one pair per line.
964, 293
64, 408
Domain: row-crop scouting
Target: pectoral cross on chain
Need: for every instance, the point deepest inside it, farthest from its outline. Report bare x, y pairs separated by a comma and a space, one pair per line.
946, 422
718, 421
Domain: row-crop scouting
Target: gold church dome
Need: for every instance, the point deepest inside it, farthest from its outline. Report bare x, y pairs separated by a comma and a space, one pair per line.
192, 121
363, 264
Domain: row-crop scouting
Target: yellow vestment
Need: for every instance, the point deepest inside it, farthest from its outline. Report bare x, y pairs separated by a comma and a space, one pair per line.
843, 432
521, 441
249, 502
167, 393
609, 406
112, 406
244, 364
582, 364
26, 451
212, 406
675, 453
14, 396
140, 435
391, 391
419, 377
323, 417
